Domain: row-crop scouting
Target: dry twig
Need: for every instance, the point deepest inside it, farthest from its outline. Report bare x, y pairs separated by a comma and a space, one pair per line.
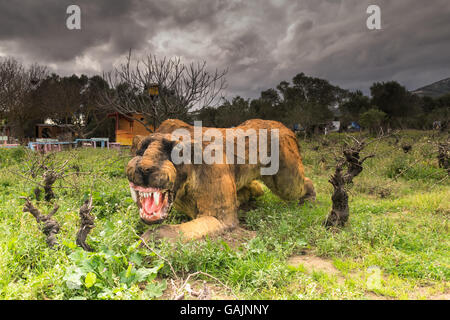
87, 224
48, 225
341, 180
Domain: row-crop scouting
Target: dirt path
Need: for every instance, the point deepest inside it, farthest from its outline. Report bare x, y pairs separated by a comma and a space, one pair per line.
314, 263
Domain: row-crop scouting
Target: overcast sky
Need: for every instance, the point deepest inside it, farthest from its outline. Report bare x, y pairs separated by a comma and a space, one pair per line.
262, 42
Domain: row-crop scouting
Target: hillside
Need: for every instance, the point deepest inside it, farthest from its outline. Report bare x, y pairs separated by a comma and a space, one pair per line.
434, 90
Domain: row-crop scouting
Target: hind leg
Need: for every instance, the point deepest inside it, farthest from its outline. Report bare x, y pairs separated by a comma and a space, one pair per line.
310, 194
290, 183
249, 192
292, 188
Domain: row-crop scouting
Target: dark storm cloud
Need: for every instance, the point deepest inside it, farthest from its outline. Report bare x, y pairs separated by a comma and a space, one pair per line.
261, 42
37, 29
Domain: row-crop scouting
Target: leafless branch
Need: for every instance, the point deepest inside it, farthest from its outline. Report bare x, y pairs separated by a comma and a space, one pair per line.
48, 225
87, 224
181, 88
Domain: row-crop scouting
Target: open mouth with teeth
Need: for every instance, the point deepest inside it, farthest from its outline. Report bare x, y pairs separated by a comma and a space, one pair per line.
154, 204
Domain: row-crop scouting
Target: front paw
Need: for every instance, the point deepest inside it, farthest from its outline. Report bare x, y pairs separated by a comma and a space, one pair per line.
166, 232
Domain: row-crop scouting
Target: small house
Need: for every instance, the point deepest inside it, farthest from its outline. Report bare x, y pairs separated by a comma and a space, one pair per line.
53, 131
128, 126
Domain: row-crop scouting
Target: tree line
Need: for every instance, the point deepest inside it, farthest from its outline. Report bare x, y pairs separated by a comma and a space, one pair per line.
31, 95
313, 102
157, 89
160, 89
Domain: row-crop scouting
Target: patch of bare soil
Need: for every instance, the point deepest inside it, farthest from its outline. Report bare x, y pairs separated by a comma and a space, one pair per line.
237, 237
198, 290
313, 263
441, 296
424, 292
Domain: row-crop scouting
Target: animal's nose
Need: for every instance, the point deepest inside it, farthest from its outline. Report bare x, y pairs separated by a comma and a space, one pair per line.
145, 170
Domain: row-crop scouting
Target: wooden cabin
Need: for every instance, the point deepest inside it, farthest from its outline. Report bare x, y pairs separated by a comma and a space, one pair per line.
127, 127
53, 131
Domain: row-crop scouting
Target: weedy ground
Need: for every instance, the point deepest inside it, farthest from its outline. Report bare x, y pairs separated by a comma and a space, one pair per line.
395, 245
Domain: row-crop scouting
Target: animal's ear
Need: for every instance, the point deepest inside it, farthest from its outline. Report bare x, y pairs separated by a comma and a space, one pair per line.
169, 144
135, 146
185, 150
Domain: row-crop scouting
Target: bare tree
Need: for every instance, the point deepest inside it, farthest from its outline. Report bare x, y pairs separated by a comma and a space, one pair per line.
342, 181
49, 226
17, 84
444, 155
72, 102
86, 225
181, 88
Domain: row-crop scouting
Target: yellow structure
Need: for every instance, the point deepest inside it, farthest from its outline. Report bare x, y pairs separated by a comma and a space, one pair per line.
153, 91
128, 126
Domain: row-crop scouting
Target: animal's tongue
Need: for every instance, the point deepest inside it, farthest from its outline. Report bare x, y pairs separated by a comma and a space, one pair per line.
149, 204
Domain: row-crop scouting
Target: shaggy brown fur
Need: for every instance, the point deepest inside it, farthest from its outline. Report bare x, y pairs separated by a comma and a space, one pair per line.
211, 194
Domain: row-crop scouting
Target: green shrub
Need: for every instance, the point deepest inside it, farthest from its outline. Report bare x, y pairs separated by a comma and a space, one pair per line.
109, 274
11, 156
372, 119
409, 169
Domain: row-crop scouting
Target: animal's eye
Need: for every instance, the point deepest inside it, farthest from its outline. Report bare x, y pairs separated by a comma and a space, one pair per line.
144, 145
146, 170
168, 146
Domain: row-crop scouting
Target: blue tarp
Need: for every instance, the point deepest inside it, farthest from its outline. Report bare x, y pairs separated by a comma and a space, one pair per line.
355, 125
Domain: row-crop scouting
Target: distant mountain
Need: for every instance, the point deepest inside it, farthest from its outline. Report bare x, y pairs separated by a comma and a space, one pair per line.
434, 90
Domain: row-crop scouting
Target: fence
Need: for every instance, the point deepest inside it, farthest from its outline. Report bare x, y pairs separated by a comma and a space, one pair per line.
48, 145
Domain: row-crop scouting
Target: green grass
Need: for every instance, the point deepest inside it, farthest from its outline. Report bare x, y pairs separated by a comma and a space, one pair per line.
398, 224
